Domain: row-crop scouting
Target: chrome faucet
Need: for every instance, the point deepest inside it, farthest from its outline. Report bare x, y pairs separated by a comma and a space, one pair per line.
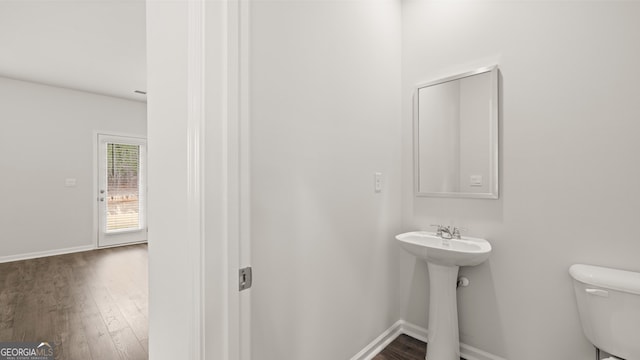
443, 231
446, 232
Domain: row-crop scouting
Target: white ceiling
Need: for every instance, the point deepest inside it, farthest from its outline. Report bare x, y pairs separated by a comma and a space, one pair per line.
90, 45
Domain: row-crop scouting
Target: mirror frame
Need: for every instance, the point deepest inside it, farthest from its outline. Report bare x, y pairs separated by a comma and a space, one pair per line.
494, 118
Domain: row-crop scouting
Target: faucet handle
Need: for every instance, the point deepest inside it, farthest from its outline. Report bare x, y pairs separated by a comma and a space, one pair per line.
456, 232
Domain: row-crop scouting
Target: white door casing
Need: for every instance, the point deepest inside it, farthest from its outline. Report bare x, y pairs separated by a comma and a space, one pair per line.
121, 184
193, 106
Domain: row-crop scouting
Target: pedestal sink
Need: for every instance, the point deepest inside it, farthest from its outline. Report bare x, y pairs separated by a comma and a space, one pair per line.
444, 257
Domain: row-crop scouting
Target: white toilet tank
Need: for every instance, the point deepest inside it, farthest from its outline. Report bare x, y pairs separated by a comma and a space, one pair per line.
609, 307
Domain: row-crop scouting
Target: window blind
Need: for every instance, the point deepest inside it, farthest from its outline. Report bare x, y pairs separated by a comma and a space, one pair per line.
123, 187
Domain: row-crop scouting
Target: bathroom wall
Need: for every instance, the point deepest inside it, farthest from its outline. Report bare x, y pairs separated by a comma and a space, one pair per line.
569, 171
46, 136
325, 115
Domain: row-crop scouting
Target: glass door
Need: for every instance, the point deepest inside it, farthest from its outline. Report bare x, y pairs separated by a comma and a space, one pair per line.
121, 190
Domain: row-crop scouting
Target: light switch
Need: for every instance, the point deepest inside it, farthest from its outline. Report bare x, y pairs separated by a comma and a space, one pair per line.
475, 180
70, 182
377, 182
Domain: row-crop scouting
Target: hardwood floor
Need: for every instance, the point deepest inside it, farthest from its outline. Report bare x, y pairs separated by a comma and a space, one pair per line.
93, 305
404, 348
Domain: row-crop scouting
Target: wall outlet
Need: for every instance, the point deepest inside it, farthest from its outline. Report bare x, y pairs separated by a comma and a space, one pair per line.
70, 182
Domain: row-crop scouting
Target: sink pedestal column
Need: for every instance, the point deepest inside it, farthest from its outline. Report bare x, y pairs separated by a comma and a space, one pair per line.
442, 341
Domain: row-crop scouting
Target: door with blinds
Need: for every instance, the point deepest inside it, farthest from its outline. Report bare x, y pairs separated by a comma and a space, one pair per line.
121, 190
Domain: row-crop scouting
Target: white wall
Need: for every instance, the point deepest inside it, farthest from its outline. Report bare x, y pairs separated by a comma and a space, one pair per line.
325, 115
47, 135
569, 162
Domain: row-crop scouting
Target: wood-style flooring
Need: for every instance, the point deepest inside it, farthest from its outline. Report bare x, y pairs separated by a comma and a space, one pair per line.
404, 347
93, 305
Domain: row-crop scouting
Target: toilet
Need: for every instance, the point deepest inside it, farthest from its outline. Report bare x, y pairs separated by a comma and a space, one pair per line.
609, 307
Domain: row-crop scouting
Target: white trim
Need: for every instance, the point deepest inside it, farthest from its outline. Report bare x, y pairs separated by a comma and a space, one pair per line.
112, 238
467, 352
470, 353
236, 146
494, 189
414, 331
195, 236
94, 193
96, 186
206, 324
121, 245
230, 148
40, 254
379, 343
244, 167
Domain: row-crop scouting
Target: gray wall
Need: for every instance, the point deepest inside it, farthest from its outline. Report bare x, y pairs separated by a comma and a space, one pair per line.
325, 115
47, 135
569, 162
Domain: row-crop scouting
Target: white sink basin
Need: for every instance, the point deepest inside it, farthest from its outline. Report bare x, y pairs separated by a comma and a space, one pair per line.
433, 249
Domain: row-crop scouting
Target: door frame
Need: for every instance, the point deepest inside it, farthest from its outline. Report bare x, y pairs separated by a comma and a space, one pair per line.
135, 139
95, 177
241, 11
210, 103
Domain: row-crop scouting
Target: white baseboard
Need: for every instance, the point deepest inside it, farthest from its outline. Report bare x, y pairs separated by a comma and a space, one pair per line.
121, 244
39, 254
379, 343
403, 327
468, 352
414, 331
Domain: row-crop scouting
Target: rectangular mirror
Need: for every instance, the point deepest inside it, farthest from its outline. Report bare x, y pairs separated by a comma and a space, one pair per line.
456, 136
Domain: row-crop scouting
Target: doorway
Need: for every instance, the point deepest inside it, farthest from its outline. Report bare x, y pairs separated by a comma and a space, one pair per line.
122, 190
